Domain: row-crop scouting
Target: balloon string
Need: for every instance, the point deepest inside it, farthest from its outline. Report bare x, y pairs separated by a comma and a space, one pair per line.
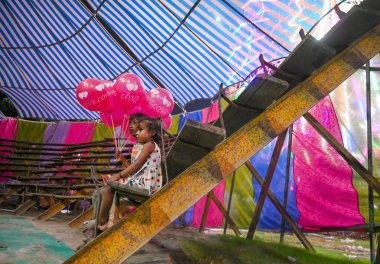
110, 131
125, 142
114, 133
121, 141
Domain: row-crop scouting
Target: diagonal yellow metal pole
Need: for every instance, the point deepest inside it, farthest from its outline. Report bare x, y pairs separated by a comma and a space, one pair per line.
132, 232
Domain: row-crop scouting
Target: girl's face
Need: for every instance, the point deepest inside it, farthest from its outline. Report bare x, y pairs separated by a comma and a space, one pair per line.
133, 126
143, 134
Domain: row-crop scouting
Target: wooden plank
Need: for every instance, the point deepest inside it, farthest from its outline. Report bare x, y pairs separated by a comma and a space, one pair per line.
129, 234
55, 209
7, 194
262, 92
374, 4
258, 95
77, 221
354, 24
22, 208
267, 182
281, 209
346, 155
194, 142
307, 57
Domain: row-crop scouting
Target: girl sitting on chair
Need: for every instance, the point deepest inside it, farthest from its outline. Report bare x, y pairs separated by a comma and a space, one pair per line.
144, 172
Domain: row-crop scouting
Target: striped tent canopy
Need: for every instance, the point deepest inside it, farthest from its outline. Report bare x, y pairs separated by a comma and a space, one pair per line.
2, 116
188, 47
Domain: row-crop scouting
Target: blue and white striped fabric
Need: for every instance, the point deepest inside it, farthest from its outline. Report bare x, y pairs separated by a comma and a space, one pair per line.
214, 45
2, 116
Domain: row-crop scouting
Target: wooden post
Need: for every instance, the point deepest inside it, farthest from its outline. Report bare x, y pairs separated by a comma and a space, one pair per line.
223, 211
265, 188
287, 177
282, 211
371, 209
205, 213
229, 201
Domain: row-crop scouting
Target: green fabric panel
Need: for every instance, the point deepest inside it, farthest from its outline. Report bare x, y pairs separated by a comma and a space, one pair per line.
223, 104
30, 131
361, 187
242, 204
174, 126
101, 132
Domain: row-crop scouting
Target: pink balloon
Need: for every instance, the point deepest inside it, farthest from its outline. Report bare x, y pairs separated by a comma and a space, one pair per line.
159, 102
114, 118
167, 122
134, 110
112, 99
130, 90
91, 94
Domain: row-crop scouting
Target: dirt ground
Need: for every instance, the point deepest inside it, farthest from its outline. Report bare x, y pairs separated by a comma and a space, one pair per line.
166, 246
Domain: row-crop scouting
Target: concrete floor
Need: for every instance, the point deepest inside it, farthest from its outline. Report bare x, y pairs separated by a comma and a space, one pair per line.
26, 240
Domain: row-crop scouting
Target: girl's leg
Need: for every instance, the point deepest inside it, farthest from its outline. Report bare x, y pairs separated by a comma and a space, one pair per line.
105, 205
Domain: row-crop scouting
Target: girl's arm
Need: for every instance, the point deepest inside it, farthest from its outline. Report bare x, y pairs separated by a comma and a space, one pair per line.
147, 149
119, 156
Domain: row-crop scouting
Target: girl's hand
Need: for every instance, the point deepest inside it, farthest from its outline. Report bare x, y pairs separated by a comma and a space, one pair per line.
114, 177
105, 178
119, 156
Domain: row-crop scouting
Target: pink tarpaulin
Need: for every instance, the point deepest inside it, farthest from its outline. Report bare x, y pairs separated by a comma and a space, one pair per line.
210, 114
214, 217
8, 128
326, 196
80, 132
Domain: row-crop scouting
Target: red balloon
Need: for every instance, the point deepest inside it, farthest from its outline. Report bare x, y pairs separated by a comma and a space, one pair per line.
91, 94
112, 99
130, 90
114, 118
167, 122
159, 102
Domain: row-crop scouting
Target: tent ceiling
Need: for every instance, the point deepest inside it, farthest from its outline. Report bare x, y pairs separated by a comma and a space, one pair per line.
188, 46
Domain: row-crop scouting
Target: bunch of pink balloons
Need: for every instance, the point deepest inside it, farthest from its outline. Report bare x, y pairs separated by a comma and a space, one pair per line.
117, 100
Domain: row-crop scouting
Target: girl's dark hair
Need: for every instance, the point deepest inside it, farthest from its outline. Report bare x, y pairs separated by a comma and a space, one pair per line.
153, 125
138, 116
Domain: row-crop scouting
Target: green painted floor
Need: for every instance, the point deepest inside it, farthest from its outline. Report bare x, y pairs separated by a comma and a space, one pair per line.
21, 243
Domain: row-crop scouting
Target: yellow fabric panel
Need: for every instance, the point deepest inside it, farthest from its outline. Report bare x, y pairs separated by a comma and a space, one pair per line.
174, 126
101, 132
30, 131
242, 204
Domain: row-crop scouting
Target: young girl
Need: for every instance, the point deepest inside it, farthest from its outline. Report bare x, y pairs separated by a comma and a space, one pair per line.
145, 168
134, 124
